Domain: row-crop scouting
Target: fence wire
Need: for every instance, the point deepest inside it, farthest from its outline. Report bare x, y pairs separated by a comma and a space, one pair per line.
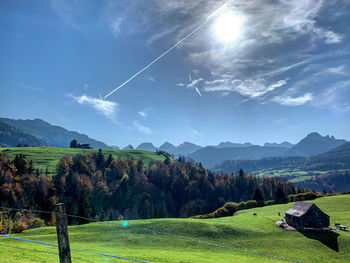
147, 230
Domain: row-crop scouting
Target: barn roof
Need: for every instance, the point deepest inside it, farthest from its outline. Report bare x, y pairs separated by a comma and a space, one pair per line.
299, 209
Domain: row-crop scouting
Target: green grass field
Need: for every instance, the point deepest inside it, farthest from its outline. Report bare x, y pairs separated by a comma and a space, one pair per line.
296, 174
245, 231
48, 157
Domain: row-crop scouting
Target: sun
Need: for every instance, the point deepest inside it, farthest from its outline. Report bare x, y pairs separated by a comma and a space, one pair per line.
228, 27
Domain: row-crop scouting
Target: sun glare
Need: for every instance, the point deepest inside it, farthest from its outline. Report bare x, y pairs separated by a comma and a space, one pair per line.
228, 27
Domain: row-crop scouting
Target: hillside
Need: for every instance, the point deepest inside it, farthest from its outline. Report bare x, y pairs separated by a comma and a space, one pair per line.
11, 137
314, 144
53, 135
336, 159
48, 157
242, 231
323, 171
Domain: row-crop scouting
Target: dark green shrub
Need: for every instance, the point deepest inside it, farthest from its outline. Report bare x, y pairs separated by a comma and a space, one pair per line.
291, 198
17, 227
251, 204
35, 223
242, 205
270, 202
231, 207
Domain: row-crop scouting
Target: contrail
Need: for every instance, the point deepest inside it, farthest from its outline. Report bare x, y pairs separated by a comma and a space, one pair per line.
169, 50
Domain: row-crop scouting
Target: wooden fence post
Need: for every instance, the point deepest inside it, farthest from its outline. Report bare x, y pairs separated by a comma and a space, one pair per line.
62, 233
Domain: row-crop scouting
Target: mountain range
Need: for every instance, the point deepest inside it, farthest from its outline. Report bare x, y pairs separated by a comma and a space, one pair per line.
335, 159
41, 133
311, 145
47, 134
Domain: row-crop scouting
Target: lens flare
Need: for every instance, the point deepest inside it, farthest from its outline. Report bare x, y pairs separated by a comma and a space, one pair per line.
228, 27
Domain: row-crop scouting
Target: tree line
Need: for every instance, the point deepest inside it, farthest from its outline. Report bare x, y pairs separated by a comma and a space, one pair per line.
107, 189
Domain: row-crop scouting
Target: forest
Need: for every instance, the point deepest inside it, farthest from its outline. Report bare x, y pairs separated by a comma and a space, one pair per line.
106, 189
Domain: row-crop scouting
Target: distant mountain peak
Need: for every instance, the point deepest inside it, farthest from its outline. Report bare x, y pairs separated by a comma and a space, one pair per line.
128, 147
315, 135
146, 146
314, 144
167, 146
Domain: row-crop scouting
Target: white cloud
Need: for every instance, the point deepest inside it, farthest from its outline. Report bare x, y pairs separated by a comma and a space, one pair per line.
193, 83
161, 35
142, 128
145, 112
107, 108
142, 114
252, 88
28, 87
194, 132
293, 101
150, 79
328, 36
115, 26
340, 70
333, 96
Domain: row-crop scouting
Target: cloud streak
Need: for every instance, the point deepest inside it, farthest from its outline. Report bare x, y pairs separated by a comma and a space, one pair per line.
293, 101
107, 108
142, 128
253, 88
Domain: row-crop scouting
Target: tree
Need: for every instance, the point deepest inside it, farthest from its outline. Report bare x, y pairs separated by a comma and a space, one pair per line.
74, 144
109, 160
21, 164
280, 196
167, 161
258, 195
100, 160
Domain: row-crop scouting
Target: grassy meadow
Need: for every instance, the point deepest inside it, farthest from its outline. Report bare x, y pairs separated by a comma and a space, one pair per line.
245, 231
293, 174
48, 157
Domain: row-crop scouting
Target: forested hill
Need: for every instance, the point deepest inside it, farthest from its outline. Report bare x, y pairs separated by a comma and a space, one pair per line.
11, 137
94, 186
52, 135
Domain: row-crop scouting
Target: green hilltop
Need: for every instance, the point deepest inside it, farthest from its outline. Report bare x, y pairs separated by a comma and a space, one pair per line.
243, 231
48, 157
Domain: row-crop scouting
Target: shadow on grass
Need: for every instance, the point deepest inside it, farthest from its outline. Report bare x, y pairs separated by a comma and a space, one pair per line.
329, 239
41, 251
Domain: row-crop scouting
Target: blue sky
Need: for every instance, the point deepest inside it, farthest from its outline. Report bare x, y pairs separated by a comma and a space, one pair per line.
282, 72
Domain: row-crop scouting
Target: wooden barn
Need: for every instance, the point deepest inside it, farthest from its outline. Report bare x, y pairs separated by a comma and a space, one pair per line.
306, 216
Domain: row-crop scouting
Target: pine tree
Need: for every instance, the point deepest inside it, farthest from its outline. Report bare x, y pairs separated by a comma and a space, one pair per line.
258, 195
109, 160
167, 161
280, 196
100, 160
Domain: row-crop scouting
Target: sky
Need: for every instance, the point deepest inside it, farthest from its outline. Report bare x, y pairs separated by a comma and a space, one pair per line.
253, 71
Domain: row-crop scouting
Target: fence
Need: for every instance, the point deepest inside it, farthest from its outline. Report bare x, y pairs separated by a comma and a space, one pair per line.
64, 247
